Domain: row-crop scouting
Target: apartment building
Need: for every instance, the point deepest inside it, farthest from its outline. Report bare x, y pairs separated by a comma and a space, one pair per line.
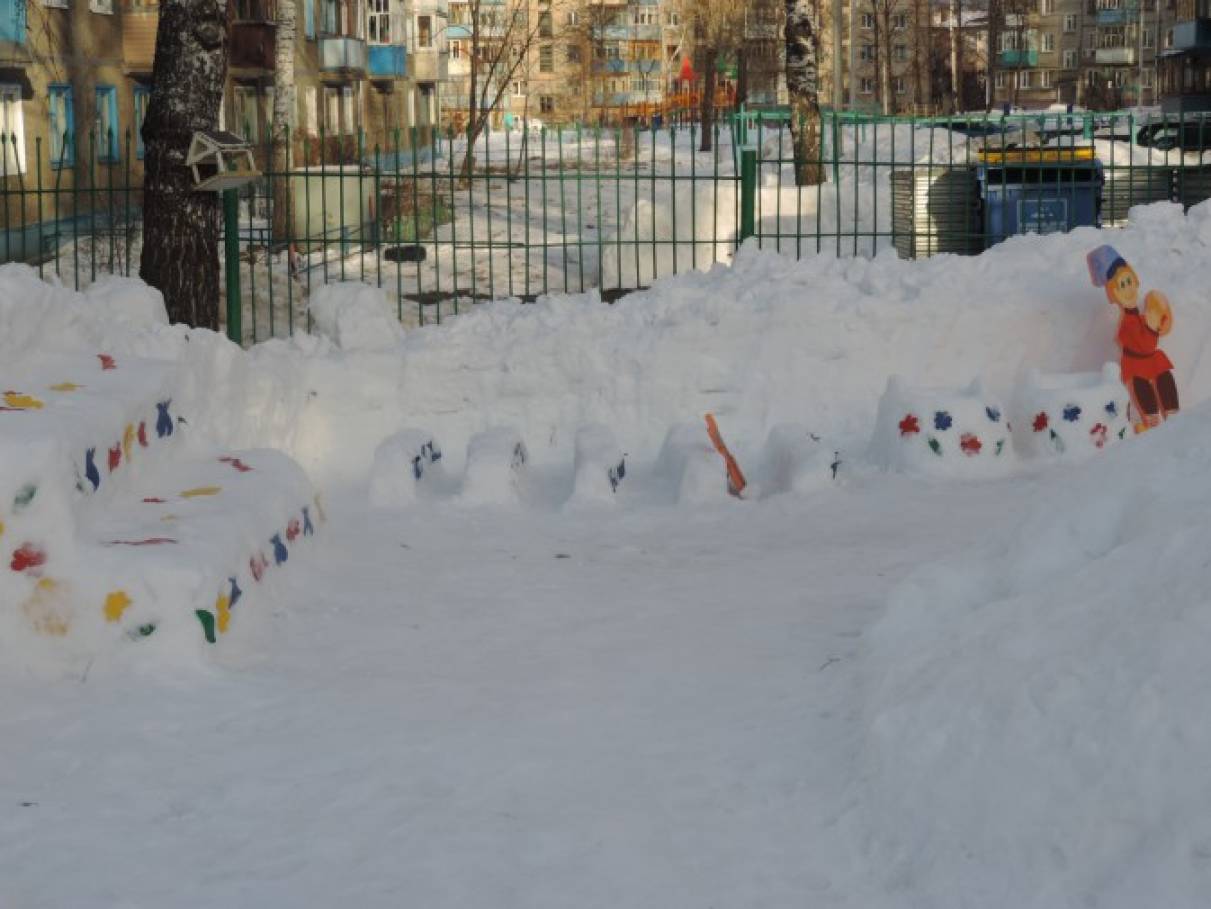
1185, 64
875, 32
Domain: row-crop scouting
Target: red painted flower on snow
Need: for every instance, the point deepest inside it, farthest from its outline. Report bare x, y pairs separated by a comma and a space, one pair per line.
1040, 421
970, 444
26, 557
107, 362
909, 425
1099, 434
115, 457
293, 529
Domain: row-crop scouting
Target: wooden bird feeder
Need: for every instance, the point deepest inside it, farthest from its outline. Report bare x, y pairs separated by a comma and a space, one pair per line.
220, 161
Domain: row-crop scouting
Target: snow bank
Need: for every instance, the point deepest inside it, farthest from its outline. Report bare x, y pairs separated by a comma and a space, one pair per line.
355, 317
1058, 661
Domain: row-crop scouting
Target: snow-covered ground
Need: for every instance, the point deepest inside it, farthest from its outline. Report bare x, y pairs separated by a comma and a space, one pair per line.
894, 688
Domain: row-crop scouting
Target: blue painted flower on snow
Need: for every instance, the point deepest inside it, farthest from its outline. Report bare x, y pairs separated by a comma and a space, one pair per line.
993, 414
1072, 413
942, 420
1112, 408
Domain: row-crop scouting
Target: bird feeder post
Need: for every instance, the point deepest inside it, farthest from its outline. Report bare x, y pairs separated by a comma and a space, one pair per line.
231, 259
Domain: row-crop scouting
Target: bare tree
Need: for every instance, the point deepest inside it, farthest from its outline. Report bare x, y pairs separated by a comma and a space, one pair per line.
956, 55
715, 30
181, 227
502, 39
586, 42
802, 84
284, 107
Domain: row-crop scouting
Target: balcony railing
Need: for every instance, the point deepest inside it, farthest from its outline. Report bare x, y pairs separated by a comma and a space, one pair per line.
429, 65
1020, 58
342, 53
1114, 56
1192, 35
1114, 17
387, 61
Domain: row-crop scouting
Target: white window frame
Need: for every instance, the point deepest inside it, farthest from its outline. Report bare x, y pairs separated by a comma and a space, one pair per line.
12, 122
102, 7
999, 79
57, 4
1044, 78
1070, 24
867, 86
1046, 7
899, 22
1048, 42
1070, 58
899, 85
868, 20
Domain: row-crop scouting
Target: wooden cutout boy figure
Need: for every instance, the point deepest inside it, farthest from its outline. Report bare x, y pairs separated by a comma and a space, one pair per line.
1146, 371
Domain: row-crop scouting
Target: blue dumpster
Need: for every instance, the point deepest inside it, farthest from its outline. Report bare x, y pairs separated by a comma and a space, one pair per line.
1039, 196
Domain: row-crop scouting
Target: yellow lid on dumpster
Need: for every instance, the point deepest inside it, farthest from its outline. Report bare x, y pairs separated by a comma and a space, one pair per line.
1037, 155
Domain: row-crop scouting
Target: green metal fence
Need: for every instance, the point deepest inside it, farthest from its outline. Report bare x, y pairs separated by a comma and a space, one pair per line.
557, 211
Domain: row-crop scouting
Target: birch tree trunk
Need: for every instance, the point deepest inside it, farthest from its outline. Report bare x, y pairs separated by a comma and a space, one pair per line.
883, 19
802, 84
284, 111
181, 227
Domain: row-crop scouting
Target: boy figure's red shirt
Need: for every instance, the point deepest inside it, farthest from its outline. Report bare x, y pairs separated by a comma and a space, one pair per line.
1141, 358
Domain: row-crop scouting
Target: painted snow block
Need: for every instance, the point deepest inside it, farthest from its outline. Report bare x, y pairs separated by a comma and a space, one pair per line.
402, 463
941, 431
497, 462
1069, 415
690, 467
599, 465
796, 460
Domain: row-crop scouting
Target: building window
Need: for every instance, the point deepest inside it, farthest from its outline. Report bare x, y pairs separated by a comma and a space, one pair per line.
900, 85
12, 131
573, 53
56, 4
1148, 38
1091, 39
1168, 39
1069, 24
573, 18
868, 20
901, 52
142, 97
674, 19
519, 89
866, 52
1025, 78
899, 21
546, 27
105, 123
546, 104
309, 120
1045, 78
104, 7
999, 79
1047, 7
62, 126
546, 59
244, 112
1070, 59
378, 22
424, 31
309, 18
1146, 78
1048, 42
868, 85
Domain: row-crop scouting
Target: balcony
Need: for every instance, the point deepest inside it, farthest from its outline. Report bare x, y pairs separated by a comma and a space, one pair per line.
1019, 58
1114, 56
429, 65
1114, 17
387, 61
252, 45
139, 39
342, 54
1192, 35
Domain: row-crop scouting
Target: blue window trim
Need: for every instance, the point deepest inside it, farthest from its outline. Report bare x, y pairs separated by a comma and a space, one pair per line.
107, 147
65, 130
12, 21
140, 91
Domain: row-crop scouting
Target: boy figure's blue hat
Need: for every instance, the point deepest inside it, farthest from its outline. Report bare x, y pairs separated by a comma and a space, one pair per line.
1103, 262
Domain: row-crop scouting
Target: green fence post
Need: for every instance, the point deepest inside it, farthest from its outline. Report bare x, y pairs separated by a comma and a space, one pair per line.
231, 247
748, 193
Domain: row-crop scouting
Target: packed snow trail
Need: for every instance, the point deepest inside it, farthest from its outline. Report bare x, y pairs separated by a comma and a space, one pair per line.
458, 708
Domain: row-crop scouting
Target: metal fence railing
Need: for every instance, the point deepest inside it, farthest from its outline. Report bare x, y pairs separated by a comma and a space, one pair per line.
557, 211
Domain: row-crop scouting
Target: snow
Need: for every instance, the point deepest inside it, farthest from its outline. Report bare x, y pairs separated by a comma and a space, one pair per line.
857, 687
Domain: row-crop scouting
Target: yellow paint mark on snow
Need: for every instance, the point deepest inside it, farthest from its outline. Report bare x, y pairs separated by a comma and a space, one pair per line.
1, 528
46, 610
18, 401
128, 440
222, 608
116, 604
169, 517
201, 491
66, 386
319, 510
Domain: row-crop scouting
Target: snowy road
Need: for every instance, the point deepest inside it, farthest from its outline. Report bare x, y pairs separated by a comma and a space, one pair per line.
646, 707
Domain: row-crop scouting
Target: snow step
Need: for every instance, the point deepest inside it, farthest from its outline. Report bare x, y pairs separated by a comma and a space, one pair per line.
690, 466
497, 461
181, 554
401, 464
600, 465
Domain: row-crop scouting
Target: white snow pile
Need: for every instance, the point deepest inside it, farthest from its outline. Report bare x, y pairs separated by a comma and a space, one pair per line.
1039, 700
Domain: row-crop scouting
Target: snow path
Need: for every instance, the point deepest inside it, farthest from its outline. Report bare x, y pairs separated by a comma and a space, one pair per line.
453, 713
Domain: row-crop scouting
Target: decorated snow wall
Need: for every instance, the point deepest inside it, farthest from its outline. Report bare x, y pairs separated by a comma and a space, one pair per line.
1069, 415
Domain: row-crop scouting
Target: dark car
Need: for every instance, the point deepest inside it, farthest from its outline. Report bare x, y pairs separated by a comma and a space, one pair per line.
1187, 135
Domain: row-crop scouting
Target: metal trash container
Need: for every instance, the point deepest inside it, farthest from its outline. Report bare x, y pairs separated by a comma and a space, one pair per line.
1191, 185
1038, 191
935, 209
1128, 186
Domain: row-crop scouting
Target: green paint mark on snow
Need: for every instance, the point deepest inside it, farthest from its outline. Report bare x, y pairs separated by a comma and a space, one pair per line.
207, 620
935, 446
24, 496
1122, 433
1000, 447
1057, 441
